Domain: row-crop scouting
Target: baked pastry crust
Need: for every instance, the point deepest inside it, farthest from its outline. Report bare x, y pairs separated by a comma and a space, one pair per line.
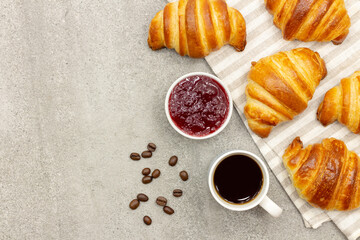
197, 27
280, 86
342, 103
326, 175
311, 20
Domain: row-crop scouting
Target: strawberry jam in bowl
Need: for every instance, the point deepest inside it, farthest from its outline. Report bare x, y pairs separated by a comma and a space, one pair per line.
198, 105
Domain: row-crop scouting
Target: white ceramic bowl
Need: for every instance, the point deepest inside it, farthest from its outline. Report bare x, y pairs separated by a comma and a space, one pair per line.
184, 133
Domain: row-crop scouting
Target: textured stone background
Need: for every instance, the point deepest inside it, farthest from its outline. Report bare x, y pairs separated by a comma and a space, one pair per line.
80, 90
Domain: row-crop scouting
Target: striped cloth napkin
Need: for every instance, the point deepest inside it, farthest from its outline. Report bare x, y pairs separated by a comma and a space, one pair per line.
264, 39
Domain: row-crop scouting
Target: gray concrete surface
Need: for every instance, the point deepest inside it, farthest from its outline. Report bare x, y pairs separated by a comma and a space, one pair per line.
80, 90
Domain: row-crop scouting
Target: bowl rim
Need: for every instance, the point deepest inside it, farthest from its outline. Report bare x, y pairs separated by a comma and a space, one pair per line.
228, 117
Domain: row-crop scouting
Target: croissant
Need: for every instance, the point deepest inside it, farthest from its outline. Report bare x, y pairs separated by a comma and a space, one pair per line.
197, 27
311, 20
342, 103
326, 175
279, 87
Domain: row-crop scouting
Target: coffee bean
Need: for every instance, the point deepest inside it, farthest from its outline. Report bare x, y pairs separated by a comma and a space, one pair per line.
161, 201
151, 147
146, 154
184, 175
177, 193
173, 160
146, 171
134, 204
147, 220
135, 156
146, 179
155, 173
168, 210
142, 197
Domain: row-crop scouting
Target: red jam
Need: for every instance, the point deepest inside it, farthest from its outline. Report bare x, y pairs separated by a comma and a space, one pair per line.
198, 105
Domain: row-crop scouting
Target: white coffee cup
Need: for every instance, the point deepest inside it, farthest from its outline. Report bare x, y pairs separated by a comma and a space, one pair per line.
261, 199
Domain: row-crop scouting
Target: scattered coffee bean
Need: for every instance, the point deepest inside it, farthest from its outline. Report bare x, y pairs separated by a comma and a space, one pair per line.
147, 220
142, 197
146, 154
146, 171
168, 210
146, 179
177, 193
151, 147
173, 160
184, 175
135, 156
161, 201
134, 204
155, 173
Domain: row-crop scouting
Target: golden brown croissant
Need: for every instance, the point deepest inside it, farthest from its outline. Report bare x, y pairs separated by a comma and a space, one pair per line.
280, 86
327, 175
197, 27
311, 20
342, 103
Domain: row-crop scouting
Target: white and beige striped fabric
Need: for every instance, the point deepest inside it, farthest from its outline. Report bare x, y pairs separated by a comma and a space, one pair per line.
264, 39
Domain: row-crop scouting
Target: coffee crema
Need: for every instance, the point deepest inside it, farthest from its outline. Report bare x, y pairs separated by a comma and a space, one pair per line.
238, 179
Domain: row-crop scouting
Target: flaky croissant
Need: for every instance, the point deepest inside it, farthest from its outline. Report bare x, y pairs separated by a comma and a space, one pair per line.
342, 103
311, 20
327, 175
280, 86
197, 27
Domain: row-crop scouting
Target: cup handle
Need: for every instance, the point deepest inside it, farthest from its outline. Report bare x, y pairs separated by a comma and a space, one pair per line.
272, 208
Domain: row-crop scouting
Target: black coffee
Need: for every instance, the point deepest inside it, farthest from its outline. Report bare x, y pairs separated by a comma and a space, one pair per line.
238, 179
